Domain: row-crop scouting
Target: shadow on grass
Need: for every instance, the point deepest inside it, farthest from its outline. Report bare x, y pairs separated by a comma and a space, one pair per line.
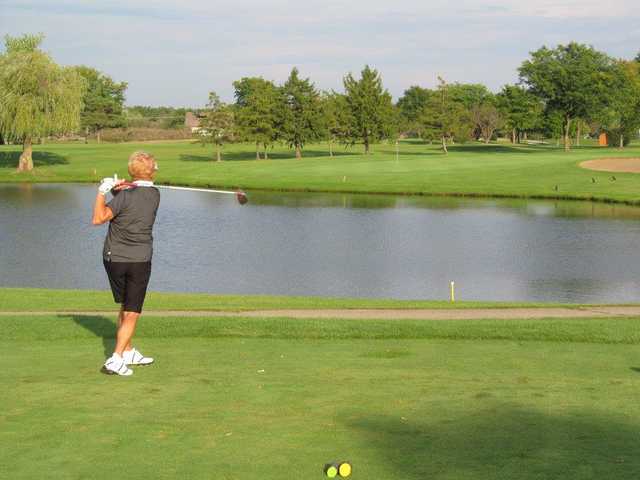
248, 155
100, 326
505, 442
40, 159
495, 149
636, 369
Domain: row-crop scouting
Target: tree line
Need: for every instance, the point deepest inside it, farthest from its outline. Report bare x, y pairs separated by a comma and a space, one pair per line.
570, 90
566, 91
297, 113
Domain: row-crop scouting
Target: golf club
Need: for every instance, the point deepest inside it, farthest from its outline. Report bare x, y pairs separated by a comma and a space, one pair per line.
240, 195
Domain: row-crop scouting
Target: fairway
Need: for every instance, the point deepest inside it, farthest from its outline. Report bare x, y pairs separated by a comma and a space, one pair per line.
236, 398
472, 169
379, 241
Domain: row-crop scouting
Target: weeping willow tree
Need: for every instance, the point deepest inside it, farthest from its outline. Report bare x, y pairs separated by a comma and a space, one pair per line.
38, 98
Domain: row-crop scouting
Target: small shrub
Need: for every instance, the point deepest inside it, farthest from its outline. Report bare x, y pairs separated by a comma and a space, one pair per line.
143, 134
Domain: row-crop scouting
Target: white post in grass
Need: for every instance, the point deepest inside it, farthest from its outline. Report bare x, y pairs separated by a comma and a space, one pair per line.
453, 291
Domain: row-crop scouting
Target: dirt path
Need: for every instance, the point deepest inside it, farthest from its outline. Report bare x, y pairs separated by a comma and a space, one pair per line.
628, 165
388, 314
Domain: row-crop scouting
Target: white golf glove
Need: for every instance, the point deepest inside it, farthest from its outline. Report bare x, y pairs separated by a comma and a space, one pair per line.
106, 185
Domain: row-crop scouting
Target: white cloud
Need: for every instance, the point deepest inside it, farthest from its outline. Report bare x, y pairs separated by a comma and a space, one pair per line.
576, 9
175, 52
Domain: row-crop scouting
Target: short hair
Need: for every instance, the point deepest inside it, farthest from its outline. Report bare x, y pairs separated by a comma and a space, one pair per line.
142, 165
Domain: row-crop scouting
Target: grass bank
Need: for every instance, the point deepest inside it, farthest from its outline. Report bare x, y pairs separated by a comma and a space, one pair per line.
44, 300
499, 170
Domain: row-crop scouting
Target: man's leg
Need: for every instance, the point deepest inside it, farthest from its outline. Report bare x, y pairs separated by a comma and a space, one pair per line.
126, 329
136, 281
117, 279
116, 364
120, 319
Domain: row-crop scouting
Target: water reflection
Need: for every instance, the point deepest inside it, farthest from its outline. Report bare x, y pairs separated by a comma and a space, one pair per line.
23, 195
337, 245
555, 208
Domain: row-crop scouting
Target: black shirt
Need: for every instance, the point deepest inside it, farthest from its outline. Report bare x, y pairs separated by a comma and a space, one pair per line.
130, 236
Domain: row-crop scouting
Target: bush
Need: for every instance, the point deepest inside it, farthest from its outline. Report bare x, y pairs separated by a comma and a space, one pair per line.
614, 137
143, 134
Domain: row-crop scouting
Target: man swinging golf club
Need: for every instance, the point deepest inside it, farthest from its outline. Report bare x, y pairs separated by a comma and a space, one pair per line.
127, 251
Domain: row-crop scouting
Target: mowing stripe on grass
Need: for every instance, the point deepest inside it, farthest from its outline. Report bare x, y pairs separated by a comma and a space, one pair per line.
70, 327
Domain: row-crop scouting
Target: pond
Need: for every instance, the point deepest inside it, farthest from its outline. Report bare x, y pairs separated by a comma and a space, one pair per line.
336, 245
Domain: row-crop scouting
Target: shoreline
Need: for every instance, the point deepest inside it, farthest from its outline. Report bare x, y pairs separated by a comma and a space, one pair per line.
32, 300
495, 171
470, 195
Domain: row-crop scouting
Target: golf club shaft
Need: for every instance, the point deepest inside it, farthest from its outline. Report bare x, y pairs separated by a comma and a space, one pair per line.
190, 189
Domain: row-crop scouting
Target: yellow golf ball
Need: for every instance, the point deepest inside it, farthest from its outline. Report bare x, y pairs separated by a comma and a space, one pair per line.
331, 471
344, 469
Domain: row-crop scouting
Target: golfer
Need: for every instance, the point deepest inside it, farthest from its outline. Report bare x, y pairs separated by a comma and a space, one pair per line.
127, 251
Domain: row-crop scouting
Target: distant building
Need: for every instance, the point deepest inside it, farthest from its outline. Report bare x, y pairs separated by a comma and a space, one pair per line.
602, 140
192, 121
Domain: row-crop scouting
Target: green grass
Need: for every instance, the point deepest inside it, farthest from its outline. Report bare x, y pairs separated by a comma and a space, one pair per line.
63, 327
471, 169
278, 398
43, 300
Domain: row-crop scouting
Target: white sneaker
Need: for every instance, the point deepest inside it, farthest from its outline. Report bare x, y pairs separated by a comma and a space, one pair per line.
115, 365
134, 357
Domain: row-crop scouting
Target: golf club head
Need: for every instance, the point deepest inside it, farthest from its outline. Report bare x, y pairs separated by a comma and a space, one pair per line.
242, 197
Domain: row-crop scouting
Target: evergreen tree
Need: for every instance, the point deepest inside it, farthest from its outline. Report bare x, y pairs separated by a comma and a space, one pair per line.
37, 97
103, 102
218, 125
301, 113
444, 119
372, 113
337, 120
257, 103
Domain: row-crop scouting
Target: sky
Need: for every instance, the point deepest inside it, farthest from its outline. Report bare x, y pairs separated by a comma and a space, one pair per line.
174, 53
